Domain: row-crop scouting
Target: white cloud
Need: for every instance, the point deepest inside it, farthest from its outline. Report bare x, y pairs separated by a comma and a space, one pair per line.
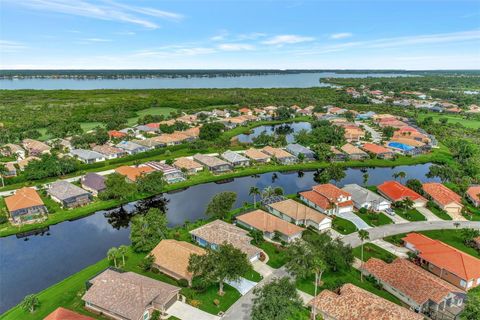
236, 47
11, 46
220, 36
97, 40
341, 35
287, 39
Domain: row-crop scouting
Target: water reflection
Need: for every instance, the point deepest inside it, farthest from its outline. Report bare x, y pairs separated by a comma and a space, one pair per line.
288, 130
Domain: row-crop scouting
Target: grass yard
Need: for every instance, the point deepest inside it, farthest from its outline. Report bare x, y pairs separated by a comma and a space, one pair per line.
343, 226
438, 212
374, 219
155, 111
410, 215
475, 216
452, 119
276, 254
371, 250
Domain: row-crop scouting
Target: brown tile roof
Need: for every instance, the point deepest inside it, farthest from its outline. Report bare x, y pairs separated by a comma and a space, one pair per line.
128, 294
219, 231
108, 150
22, 199
187, 164
413, 281
276, 152
23, 163
266, 222
351, 149
64, 314
474, 193
298, 211
354, 303
133, 173
209, 161
316, 198
444, 256
256, 154
441, 194
173, 256
331, 192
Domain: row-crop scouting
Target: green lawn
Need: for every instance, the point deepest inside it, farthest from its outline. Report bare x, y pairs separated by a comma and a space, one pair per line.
410, 215
452, 119
276, 254
475, 216
371, 250
155, 111
438, 212
374, 219
343, 225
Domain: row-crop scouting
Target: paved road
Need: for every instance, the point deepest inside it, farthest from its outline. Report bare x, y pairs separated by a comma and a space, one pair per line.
392, 229
376, 136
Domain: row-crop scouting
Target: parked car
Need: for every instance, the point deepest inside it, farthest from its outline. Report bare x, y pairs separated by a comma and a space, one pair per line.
390, 211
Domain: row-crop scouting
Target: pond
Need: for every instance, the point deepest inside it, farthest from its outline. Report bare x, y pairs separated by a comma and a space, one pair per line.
31, 264
288, 129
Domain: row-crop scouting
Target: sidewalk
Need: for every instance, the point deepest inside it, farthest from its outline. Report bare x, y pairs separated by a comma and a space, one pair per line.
400, 252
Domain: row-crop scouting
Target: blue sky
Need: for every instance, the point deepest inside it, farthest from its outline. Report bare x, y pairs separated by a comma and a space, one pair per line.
226, 34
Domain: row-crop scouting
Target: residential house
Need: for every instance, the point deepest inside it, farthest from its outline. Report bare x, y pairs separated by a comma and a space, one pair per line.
93, 182
297, 149
378, 151
10, 170
65, 314
221, 113
68, 194
246, 111
188, 165
188, 119
133, 173
337, 155
270, 225
35, 148
14, 149
299, 214
364, 198
115, 134
336, 110
87, 156
353, 133
22, 164
131, 147
473, 194
236, 158
128, 295
172, 257
353, 303
257, 155
452, 265
25, 206
365, 116
215, 233
149, 143
445, 198
395, 191
170, 174
353, 152
280, 155
213, 164
109, 152
412, 134
414, 286
192, 133
147, 129
328, 199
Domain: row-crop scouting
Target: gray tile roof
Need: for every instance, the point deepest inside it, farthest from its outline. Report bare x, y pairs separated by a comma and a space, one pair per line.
234, 157
94, 181
63, 190
209, 161
86, 154
296, 149
130, 146
362, 195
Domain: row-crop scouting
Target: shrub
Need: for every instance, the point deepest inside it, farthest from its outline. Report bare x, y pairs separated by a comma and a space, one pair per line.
195, 303
183, 283
216, 302
147, 262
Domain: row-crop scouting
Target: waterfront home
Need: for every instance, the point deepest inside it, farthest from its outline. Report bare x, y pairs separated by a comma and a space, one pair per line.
93, 182
115, 134
35, 148
25, 206
297, 149
87, 156
68, 194
257, 155
411, 134
299, 214
109, 152
364, 198
280, 155
236, 159
172, 257
416, 287
337, 155
353, 303
455, 266
131, 147
13, 149
473, 194
215, 233
170, 174
353, 152
395, 191
188, 165
128, 295
328, 199
378, 151
214, 164
270, 225
133, 173
446, 199
65, 314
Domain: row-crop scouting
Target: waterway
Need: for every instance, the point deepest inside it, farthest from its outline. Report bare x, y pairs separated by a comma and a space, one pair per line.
289, 129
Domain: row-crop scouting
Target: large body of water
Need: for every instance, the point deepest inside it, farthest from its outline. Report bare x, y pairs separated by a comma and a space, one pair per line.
292, 128
66, 248
294, 80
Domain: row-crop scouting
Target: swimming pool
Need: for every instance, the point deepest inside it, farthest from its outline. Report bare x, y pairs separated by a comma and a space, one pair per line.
400, 146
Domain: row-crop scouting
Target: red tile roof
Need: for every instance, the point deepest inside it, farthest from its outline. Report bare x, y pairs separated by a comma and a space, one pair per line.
65, 314
331, 192
474, 193
375, 148
267, 222
116, 134
396, 191
133, 173
441, 194
153, 125
444, 256
22, 199
316, 198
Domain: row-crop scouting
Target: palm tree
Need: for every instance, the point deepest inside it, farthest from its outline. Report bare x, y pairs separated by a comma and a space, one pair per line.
254, 191
363, 235
122, 250
3, 170
365, 178
401, 174
268, 192
112, 254
319, 267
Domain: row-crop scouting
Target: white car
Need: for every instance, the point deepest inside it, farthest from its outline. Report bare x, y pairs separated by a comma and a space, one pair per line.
390, 211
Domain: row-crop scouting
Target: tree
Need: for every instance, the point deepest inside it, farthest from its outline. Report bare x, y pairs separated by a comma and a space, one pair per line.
221, 204
254, 191
30, 303
283, 113
415, 185
401, 175
472, 307
147, 230
3, 171
336, 172
363, 235
322, 151
217, 266
122, 251
278, 191
118, 188
406, 204
151, 183
468, 234
268, 192
211, 131
301, 157
277, 300
365, 178
112, 254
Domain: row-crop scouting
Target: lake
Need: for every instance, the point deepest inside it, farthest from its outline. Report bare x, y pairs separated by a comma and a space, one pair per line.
289, 129
293, 80
29, 265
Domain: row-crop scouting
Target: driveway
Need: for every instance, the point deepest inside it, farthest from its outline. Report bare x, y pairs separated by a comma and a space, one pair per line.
242, 285
184, 311
376, 136
428, 214
261, 267
393, 249
396, 218
356, 220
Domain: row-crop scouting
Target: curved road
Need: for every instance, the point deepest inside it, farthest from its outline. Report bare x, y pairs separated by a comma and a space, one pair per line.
393, 229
